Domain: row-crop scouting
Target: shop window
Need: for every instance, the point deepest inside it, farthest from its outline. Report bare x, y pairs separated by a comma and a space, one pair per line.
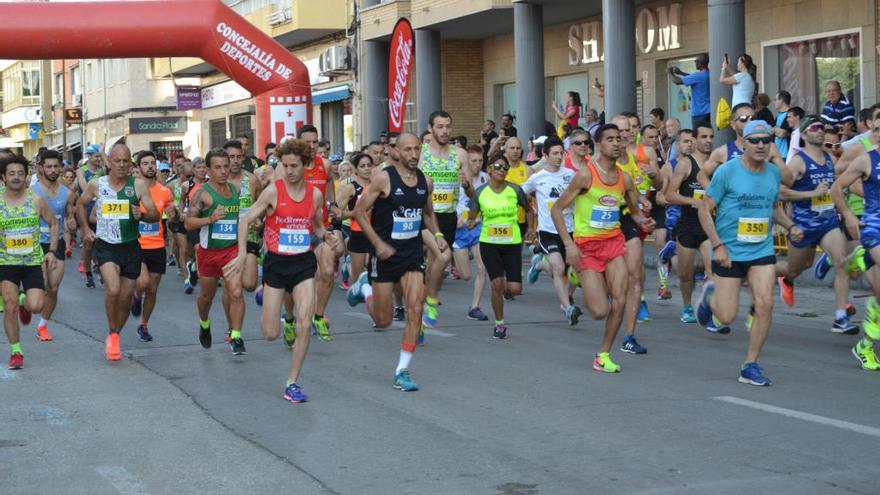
578, 83
217, 131
679, 95
241, 127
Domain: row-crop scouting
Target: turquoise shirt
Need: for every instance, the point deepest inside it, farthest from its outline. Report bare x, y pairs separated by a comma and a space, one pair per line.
744, 208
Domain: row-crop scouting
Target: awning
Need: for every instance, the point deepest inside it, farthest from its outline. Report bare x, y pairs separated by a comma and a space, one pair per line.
327, 95
70, 146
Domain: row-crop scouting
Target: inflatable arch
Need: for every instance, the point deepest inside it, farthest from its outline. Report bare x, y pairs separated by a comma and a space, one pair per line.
167, 28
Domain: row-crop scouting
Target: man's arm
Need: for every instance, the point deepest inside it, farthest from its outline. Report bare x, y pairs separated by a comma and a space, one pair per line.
429, 220
48, 216
797, 168
857, 170
200, 202
379, 182
716, 158
581, 181
146, 200
256, 211
81, 215
673, 195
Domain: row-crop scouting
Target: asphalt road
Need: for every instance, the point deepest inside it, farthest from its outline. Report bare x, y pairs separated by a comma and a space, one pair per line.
523, 416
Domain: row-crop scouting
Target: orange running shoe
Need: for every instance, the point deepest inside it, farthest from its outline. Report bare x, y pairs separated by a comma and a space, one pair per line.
786, 290
112, 347
43, 333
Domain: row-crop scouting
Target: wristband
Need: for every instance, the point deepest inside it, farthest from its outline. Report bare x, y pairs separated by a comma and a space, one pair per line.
718, 246
438, 234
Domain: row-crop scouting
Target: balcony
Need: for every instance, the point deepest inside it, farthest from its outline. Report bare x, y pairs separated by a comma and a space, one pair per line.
478, 15
378, 21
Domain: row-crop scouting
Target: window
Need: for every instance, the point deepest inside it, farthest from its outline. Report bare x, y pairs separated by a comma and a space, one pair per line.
508, 99
58, 90
217, 131
30, 80
241, 126
75, 81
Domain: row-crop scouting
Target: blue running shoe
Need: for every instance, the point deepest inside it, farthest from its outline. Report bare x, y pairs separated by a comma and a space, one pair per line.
534, 271
345, 268
644, 314
258, 296
667, 252
403, 382
700, 276
477, 314
713, 327
572, 313
822, 267
422, 336
293, 393
144, 334
355, 292
631, 346
752, 374
187, 287
704, 309
687, 314
844, 326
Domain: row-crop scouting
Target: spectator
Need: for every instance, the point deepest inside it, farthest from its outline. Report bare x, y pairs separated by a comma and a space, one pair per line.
507, 125
743, 81
699, 84
837, 110
782, 130
762, 101
673, 127
324, 149
487, 134
572, 113
656, 117
795, 114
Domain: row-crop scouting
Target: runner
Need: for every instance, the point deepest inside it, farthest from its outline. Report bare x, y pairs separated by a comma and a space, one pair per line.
248, 187
467, 240
294, 224
93, 168
547, 186
213, 212
500, 238
518, 174
579, 150
349, 194
62, 201
651, 140
117, 196
177, 232
814, 213
20, 260
199, 177
151, 237
598, 248
398, 197
742, 194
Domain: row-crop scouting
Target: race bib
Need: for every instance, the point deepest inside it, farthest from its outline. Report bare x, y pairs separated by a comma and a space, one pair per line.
225, 230
752, 229
115, 209
822, 203
294, 241
405, 228
444, 196
499, 233
604, 217
148, 229
19, 243
699, 193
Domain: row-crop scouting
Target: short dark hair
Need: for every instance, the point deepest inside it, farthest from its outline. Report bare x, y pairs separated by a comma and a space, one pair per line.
744, 104
798, 111
689, 132
215, 153
658, 112
785, 96
374, 143
9, 160
443, 114
143, 154
474, 148
269, 145
703, 125
49, 154
234, 143
296, 147
551, 142
324, 143
462, 141
509, 116
865, 115
393, 134
491, 122
648, 126
306, 128
600, 132
422, 136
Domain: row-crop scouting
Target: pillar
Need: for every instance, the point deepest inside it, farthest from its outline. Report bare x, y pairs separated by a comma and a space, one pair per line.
618, 28
727, 22
528, 43
375, 101
428, 81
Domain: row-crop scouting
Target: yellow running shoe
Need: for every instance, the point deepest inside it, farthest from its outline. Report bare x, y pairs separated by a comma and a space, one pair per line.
604, 363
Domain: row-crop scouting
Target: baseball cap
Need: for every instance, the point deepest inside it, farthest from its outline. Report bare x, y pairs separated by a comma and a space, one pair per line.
335, 158
756, 127
808, 121
164, 167
92, 149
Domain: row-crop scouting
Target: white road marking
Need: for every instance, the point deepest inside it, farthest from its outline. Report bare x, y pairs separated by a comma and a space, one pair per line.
399, 324
813, 418
54, 416
7, 375
431, 331
124, 482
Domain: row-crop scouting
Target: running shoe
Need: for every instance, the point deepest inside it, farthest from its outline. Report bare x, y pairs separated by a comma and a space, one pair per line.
192, 267
321, 325
752, 374
535, 268
477, 314
850, 309
403, 382
872, 319
714, 327
855, 262
346, 266
16, 361
573, 313
144, 334
293, 393
687, 314
355, 292
429, 318
237, 346
187, 287
68, 253
667, 252
172, 261
823, 265
399, 313
344, 285
700, 276
500, 331
644, 314
24, 316
205, 337
704, 308
81, 268
90, 281
664, 294
137, 305
844, 326
258, 296
289, 333
631, 345
421, 340
508, 296
786, 291
864, 352
111, 347
43, 333
604, 363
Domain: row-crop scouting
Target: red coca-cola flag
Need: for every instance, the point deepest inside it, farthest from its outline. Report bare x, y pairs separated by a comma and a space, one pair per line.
399, 71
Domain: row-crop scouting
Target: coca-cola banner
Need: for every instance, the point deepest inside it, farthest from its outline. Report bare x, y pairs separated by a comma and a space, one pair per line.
399, 71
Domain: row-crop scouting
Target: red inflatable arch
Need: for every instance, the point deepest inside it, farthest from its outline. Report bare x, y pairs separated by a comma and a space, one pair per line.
167, 28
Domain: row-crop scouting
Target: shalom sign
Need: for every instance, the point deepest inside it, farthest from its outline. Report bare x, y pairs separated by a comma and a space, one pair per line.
656, 30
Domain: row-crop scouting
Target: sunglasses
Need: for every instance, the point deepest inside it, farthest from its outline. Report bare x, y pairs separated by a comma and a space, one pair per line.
579, 143
499, 166
392, 145
744, 118
816, 127
761, 140
831, 146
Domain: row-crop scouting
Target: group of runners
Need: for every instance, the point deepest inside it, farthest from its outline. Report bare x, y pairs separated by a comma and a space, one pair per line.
409, 207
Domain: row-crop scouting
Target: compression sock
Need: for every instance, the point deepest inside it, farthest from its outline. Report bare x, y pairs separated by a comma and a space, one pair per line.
205, 324
16, 347
234, 334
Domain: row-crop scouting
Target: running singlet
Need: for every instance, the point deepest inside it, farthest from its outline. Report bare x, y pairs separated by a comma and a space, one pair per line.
871, 217
398, 218
548, 187
116, 225
855, 202
352, 202
59, 208
569, 164
224, 232
245, 201
20, 232
464, 201
499, 212
733, 150
152, 234
640, 179
317, 177
691, 188
597, 211
818, 212
444, 173
289, 229
518, 175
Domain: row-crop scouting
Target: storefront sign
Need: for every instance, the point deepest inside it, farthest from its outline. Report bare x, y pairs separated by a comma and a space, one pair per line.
223, 93
189, 98
399, 71
156, 125
656, 30
73, 116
